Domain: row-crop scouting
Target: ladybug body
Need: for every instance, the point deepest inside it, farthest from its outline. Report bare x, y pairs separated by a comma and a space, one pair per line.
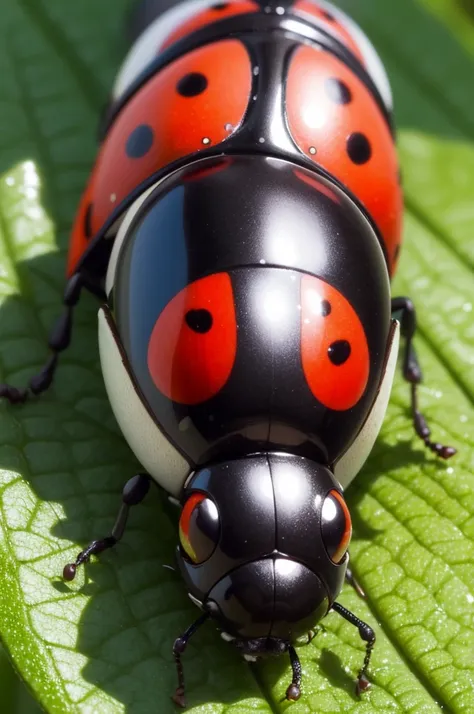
233, 351
241, 226
259, 129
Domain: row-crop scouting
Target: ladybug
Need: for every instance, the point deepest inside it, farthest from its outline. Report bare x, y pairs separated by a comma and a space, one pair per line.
241, 227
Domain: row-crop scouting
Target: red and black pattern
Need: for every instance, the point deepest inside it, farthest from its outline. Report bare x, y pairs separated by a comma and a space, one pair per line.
202, 94
242, 224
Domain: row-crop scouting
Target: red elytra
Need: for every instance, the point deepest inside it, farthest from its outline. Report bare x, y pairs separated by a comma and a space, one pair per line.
194, 342
197, 101
334, 350
329, 22
212, 14
334, 120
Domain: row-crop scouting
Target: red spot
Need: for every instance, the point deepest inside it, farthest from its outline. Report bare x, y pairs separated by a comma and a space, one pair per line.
194, 342
328, 318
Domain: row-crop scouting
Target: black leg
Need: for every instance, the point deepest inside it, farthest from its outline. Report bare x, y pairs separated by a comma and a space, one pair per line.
368, 635
59, 340
293, 693
133, 493
179, 647
412, 373
351, 580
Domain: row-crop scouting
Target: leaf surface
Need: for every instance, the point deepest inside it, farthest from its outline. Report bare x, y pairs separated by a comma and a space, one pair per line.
103, 645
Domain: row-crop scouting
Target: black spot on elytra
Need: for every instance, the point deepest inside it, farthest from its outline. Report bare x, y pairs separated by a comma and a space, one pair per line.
338, 91
199, 320
191, 84
139, 141
325, 308
359, 148
339, 352
220, 6
327, 15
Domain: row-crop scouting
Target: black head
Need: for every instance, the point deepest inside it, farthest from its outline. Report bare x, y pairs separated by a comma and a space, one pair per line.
263, 543
251, 297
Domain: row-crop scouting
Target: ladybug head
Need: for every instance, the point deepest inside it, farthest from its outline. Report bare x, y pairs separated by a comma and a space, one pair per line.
249, 307
263, 544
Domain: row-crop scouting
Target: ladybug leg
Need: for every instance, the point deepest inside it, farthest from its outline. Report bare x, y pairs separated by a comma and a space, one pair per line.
412, 374
133, 493
59, 341
293, 693
353, 582
368, 635
179, 647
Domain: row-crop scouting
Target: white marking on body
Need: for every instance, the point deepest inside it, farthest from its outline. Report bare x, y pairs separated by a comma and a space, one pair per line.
349, 464
155, 452
147, 46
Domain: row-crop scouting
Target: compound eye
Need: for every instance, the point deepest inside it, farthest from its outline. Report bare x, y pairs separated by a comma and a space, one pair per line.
199, 528
336, 526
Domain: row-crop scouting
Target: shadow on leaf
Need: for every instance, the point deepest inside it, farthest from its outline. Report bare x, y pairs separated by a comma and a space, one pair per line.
331, 666
125, 610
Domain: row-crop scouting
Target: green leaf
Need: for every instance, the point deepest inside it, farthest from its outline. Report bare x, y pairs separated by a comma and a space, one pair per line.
103, 645
15, 698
